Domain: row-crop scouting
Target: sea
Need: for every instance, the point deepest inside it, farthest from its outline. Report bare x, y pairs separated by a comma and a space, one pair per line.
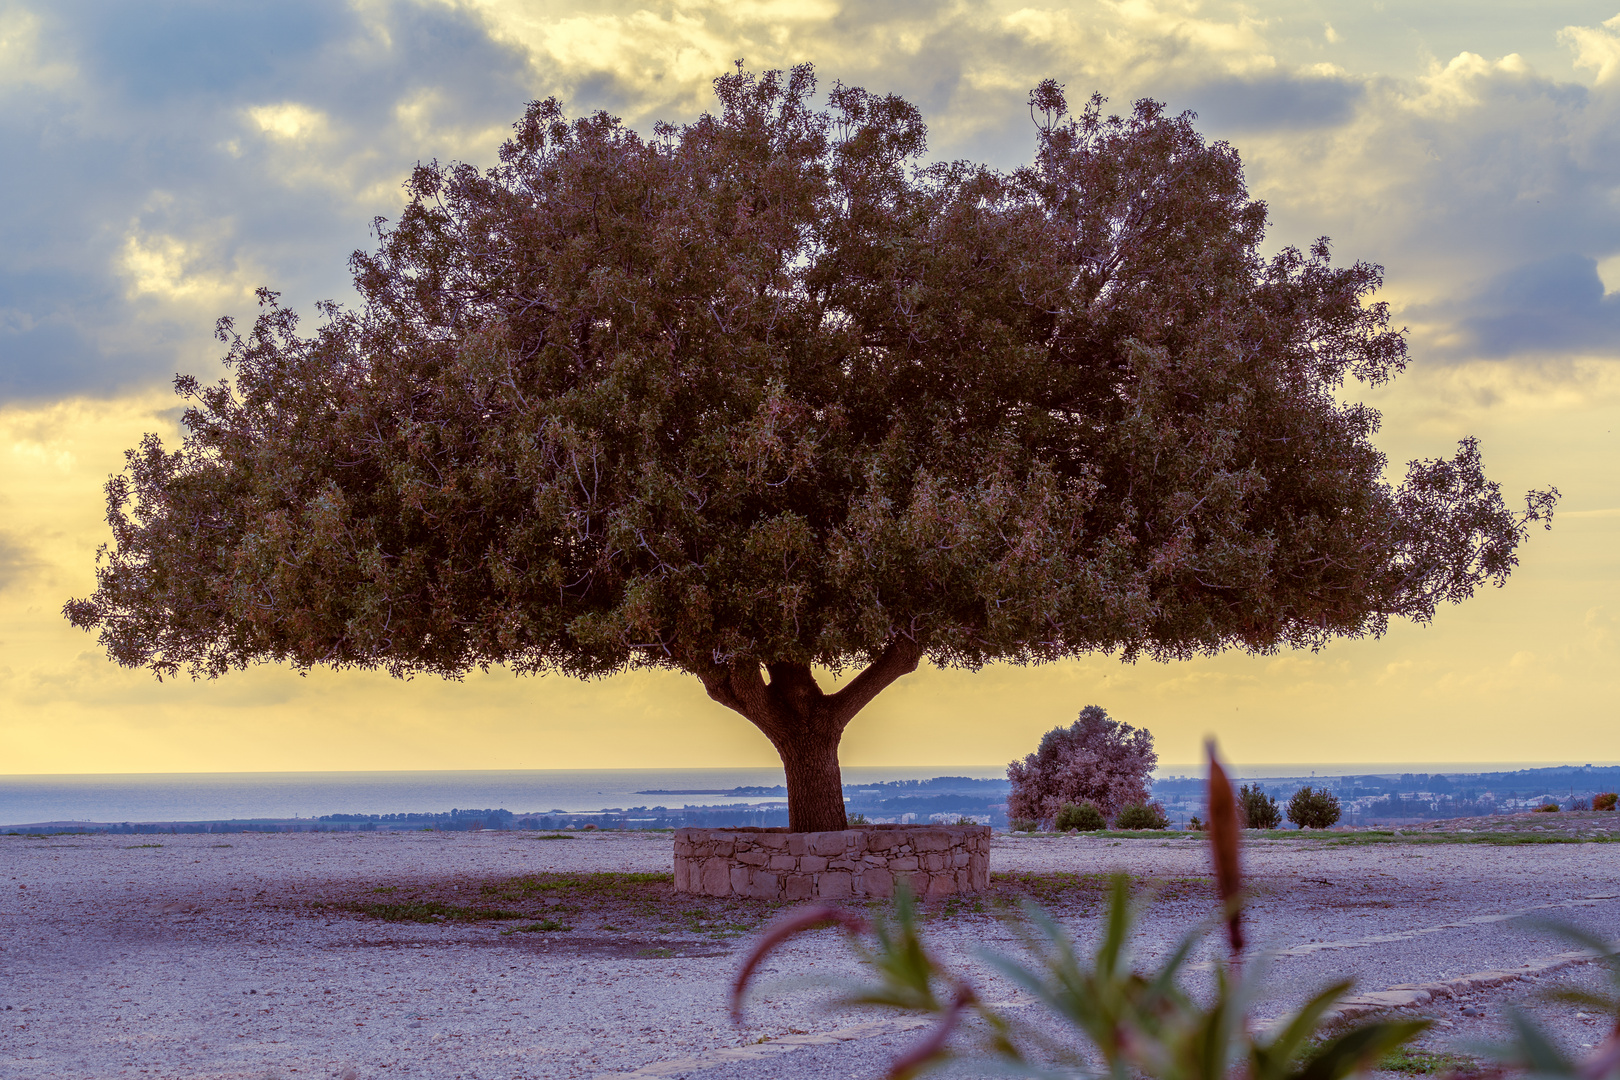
150, 797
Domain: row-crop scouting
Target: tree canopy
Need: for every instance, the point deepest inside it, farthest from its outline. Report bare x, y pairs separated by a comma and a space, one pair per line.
764, 393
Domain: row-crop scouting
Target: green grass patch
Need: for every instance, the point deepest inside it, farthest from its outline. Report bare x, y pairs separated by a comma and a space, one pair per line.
1116, 834
555, 836
577, 887
658, 953
134, 847
430, 911
1493, 839
638, 903
544, 926
1414, 1062
1055, 887
705, 921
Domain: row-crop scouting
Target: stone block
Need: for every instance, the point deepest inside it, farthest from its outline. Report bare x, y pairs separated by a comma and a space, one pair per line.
798, 887
877, 882
764, 886
918, 882
960, 857
751, 858
716, 879
812, 864
835, 885
739, 880
903, 863
825, 843
940, 885
934, 861
723, 846
771, 841
784, 862
932, 840
796, 844
839, 864
683, 874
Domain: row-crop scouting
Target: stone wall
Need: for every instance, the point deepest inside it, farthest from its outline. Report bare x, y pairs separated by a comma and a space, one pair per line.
775, 864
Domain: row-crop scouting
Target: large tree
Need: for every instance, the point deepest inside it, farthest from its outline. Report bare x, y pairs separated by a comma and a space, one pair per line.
762, 395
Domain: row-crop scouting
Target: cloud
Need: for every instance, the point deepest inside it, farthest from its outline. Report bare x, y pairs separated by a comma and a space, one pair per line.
1553, 306
1281, 101
17, 560
165, 159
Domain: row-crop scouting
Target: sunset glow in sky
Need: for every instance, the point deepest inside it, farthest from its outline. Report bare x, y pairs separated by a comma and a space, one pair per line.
164, 159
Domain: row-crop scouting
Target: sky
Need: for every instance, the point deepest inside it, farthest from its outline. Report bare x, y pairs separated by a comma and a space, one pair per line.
162, 160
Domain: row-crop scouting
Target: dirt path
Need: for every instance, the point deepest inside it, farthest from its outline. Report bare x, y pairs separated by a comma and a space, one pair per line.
499, 955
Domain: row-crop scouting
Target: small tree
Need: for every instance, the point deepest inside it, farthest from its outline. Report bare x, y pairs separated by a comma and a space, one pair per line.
1084, 817
1095, 759
761, 398
1311, 809
1141, 816
1605, 801
1256, 809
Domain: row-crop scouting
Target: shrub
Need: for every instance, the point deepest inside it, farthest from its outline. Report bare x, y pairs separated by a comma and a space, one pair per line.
1546, 808
1256, 809
1019, 824
857, 820
1141, 816
1194, 824
1095, 760
1136, 1023
1580, 804
1311, 809
1604, 802
1085, 817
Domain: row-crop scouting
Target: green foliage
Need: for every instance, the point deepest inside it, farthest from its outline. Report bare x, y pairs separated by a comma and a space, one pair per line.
856, 820
1138, 1023
1547, 808
1256, 809
1141, 816
1605, 801
1084, 817
1312, 809
1022, 824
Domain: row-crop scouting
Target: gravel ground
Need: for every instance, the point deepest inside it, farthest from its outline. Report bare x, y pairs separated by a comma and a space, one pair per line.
499, 955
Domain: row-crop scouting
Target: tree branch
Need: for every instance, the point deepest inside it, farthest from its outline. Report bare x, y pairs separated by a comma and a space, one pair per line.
900, 657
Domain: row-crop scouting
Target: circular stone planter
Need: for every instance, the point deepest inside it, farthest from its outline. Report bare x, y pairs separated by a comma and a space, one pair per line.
775, 864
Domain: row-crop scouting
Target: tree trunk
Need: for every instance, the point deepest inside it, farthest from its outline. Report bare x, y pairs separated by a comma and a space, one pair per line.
814, 782
806, 725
